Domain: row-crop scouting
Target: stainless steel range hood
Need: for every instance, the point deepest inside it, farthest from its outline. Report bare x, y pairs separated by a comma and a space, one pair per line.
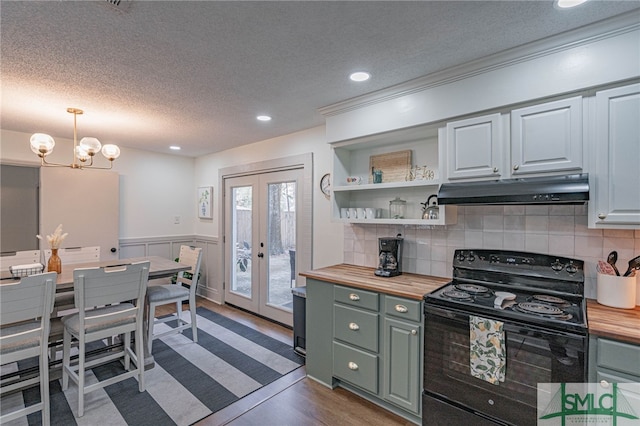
570, 189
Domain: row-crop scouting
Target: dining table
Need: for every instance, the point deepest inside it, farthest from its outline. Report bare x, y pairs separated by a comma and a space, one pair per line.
159, 267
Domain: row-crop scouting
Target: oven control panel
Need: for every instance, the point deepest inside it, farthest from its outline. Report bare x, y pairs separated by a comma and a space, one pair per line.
514, 261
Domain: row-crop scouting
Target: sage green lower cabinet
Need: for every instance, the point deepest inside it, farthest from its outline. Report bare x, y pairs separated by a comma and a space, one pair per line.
367, 342
612, 361
402, 360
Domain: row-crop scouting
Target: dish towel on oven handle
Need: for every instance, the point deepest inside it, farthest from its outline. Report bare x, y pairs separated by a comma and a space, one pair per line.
487, 351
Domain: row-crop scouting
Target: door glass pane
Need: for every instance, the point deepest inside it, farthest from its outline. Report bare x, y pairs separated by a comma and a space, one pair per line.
242, 214
281, 234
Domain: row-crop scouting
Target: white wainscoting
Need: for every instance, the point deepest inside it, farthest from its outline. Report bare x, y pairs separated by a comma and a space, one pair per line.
210, 283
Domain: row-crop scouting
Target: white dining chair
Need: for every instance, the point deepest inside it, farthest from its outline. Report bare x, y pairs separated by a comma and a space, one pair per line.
25, 309
176, 293
26, 257
73, 255
110, 302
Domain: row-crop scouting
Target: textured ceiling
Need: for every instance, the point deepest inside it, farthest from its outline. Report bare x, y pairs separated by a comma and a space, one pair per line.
195, 74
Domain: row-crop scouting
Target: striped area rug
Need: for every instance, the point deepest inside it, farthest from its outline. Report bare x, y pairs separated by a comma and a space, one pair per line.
189, 381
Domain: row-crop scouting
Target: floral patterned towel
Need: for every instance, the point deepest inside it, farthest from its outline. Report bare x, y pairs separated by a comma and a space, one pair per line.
487, 352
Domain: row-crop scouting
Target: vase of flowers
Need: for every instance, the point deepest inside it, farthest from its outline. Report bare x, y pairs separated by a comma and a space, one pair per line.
55, 241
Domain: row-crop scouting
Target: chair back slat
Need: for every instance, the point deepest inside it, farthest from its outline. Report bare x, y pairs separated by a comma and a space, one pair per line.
105, 286
18, 258
73, 255
190, 256
25, 300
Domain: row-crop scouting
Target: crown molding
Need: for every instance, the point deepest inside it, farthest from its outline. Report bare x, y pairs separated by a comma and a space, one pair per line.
612, 27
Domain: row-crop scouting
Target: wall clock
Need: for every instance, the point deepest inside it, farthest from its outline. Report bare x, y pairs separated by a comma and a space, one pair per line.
325, 185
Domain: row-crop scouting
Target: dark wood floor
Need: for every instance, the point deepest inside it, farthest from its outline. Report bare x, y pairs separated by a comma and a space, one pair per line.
294, 399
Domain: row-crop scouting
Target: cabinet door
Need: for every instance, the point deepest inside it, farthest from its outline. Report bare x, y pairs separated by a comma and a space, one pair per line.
402, 378
547, 137
474, 147
617, 157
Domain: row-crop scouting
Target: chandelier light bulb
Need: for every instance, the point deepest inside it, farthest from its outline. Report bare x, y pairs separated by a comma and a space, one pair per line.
82, 154
111, 151
90, 145
42, 144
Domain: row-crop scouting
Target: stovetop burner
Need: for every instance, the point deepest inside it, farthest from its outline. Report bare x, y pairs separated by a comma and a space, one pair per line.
543, 309
457, 295
548, 291
545, 298
472, 288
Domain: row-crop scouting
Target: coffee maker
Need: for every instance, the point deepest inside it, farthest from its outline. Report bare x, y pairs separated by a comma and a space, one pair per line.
390, 256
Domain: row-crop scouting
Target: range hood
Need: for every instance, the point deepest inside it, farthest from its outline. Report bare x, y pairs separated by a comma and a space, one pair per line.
570, 189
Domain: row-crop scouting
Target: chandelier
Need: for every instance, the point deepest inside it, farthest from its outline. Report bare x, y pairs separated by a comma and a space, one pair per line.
83, 152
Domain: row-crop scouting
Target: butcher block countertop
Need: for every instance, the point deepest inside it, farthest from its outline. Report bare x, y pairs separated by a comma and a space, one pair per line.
410, 286
614, 323
619, 324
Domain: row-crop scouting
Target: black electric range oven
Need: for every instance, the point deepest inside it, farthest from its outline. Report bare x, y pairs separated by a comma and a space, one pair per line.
537, 303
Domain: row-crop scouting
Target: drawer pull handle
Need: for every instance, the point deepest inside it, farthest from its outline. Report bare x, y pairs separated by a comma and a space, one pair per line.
495, 170
401, 308
602, 216
353, 366
414, 332
604, 383
354, 297
516, 167
353, 326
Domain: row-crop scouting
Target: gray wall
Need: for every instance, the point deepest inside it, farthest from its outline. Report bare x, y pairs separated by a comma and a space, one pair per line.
19, 188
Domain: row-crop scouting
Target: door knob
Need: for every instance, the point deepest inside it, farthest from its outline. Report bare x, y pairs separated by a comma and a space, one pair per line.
260, 254
113, 249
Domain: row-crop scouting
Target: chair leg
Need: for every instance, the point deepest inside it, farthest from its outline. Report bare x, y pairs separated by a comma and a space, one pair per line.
194, 326
140, 359
151, 320
81, 356
179, 312
44, 387
127, 346
66, 358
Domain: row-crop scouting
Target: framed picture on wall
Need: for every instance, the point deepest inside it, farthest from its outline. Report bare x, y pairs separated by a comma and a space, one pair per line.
205, 199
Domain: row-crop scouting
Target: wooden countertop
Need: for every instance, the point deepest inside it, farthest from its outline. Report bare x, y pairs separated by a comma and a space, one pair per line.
619, 324
410, 286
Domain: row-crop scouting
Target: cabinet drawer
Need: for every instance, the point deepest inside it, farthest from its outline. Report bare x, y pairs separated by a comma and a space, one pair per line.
356, 367
356, 327
619, 356
410, 310
356, 297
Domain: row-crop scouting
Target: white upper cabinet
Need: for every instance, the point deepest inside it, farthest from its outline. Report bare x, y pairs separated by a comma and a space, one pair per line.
474, 147
538, 139
615, 196
547, 137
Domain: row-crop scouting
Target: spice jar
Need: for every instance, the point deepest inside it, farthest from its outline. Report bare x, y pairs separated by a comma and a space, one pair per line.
397, 208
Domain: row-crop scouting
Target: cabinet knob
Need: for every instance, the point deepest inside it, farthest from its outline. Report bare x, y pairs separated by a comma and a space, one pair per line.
354, 297
352, 365
414, 332
602, 216
495, 170
353, 326
401, 308
516, 167
604, 383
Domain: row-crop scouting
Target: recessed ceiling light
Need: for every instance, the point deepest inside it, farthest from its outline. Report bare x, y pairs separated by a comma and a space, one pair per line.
565, 4
175, 147
263, 118
360, 76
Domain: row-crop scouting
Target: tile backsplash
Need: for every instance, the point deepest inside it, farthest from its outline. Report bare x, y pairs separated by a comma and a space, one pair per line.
558, 230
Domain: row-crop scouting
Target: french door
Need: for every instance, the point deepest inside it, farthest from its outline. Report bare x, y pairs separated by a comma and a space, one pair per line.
261, 218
